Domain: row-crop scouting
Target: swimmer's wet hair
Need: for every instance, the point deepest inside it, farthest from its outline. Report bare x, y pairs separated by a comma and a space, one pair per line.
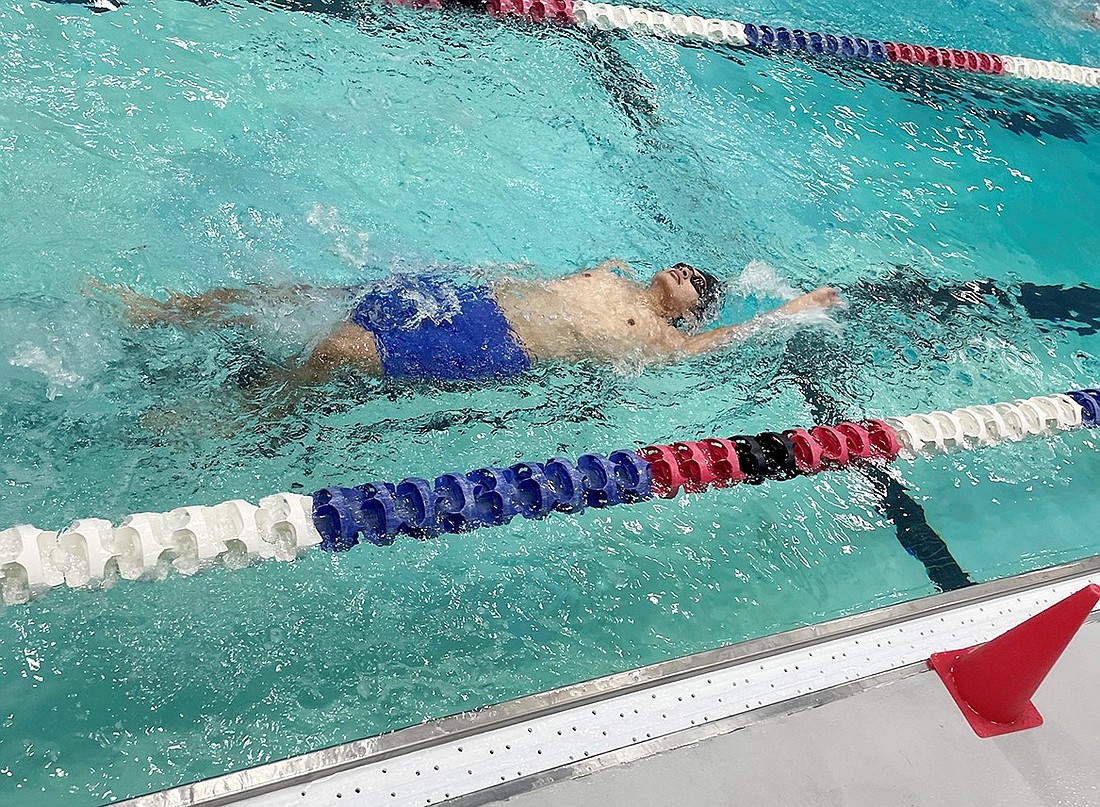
709, 289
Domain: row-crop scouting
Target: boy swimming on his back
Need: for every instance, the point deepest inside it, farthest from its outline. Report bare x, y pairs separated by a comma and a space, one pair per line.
498, 330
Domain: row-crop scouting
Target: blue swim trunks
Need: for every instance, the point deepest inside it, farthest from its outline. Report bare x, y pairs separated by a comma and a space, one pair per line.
432, 328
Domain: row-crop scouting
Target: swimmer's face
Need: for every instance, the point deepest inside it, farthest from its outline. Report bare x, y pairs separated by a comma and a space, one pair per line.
677, 290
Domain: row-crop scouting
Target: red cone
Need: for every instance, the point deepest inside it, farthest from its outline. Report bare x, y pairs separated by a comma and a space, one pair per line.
993, 682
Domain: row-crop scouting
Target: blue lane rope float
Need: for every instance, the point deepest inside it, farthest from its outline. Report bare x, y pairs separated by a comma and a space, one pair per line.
780, 38
1089, 401
486, 497
94, 553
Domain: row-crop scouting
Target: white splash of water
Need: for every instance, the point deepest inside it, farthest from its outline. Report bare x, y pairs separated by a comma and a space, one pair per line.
816, 318
761, 284
33, 357
350, 246
760, 279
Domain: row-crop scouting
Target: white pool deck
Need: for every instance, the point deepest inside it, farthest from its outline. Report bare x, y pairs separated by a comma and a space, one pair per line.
901, 742
843, 713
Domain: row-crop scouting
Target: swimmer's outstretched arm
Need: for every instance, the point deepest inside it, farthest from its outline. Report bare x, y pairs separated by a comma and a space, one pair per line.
717, 338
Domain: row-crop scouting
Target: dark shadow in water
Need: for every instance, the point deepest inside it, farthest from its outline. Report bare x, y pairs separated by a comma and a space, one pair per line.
915, 534
344, 9
1053, 307
1075, 308
806, 360
628, 88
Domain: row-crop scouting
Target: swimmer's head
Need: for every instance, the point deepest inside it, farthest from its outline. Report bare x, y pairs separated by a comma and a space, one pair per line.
687, 293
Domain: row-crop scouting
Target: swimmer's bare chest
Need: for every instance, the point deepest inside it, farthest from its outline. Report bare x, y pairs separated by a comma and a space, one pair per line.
589, 315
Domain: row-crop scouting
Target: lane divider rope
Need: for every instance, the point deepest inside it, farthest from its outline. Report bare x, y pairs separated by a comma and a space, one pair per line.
606, 17
94, 553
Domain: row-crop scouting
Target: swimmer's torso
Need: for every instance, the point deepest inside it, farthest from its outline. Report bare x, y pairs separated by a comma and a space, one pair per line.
591, 315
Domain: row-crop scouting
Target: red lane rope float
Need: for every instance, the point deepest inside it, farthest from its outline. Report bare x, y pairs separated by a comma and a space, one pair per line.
534, 10
723, 456
884, 442
694, 466
664, 470
834, 446
859, 442
807, 451
950, 58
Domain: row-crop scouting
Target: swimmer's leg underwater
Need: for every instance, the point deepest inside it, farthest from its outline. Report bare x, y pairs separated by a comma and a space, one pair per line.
280, 386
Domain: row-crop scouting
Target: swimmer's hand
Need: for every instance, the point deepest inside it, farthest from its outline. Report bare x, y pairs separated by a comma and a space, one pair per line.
824, 298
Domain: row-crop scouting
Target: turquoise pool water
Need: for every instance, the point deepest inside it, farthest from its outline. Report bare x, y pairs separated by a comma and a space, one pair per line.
179, 146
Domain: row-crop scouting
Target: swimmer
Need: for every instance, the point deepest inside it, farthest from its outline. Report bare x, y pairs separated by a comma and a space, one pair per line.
497, 330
